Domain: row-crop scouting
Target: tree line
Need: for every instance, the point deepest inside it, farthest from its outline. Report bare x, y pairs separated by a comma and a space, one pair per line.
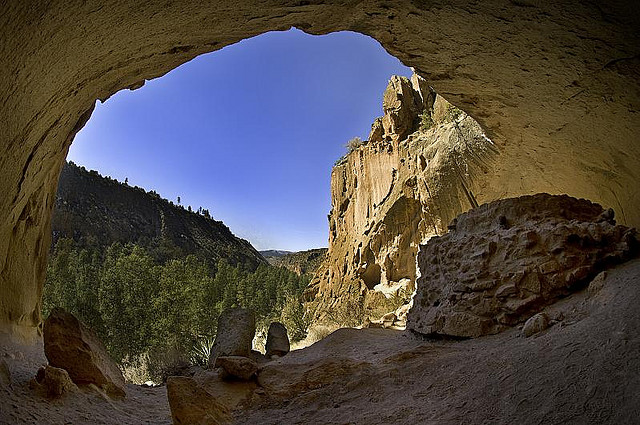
146, 306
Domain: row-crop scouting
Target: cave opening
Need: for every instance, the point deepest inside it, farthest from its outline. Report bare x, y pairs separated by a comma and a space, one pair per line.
242, 138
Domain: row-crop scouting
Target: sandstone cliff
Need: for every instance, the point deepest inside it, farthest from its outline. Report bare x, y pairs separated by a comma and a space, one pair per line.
421, 167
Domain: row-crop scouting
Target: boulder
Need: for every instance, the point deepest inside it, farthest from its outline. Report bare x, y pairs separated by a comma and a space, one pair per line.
236, 329
191, 404
54, 381
237, 366
536, 324
504, 261
277, 340
70, 345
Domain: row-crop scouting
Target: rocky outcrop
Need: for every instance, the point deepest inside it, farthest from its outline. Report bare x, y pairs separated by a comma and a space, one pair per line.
417, 172
236, 329
70, 345
502, 262
277, 340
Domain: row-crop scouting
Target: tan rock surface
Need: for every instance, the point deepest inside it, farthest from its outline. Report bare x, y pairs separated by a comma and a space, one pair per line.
70, 345
389, 196
237, 366
191, 404
502, 262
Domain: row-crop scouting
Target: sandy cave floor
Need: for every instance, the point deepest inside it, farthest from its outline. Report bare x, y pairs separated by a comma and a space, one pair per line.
584, 369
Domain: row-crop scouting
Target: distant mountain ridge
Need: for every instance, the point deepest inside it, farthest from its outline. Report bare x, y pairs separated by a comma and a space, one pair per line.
301, 262
274, 253
88, 205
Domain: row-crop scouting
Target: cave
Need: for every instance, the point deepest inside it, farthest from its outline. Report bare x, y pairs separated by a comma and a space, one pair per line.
556, 86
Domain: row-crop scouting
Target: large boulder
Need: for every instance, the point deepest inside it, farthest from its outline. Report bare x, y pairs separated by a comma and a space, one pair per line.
504, 261
191, 404
277, 340
236, 329
70, 345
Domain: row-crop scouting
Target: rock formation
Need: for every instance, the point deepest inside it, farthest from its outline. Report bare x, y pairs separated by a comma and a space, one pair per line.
54, 381
236, 329
193, 405
421, 168
555, 83
277, 340
71, 346
504, 261
238, 366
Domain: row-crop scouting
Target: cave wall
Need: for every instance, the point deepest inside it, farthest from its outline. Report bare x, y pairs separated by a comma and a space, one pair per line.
556, 86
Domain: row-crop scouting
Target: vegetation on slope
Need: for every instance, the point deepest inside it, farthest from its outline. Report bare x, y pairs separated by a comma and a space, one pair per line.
153, 314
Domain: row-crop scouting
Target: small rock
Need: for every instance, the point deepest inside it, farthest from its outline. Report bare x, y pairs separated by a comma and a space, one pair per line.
597, 283
238, 366
70, 345
191, 404
236, 329
277, 340
536, 324
56, 381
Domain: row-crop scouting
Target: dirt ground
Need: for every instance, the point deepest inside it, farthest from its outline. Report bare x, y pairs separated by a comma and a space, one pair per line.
585, 369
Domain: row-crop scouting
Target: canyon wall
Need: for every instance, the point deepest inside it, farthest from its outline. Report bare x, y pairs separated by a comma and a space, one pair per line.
425, 162
556, 86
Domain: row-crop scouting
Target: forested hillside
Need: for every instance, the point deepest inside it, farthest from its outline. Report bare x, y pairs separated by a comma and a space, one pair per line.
103, 210
151, 278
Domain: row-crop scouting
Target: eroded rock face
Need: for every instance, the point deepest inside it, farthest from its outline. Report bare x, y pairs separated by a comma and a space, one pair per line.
277, 340
556, 83
395, 191
70, 345
502, 262
236, 329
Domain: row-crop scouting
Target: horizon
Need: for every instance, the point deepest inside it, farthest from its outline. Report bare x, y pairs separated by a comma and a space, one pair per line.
254, 148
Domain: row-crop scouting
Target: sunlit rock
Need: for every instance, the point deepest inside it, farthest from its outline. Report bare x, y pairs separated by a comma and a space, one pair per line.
504, 261
236, 329
70, 345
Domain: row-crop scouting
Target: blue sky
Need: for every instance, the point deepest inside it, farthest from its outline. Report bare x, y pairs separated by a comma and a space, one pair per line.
249, 132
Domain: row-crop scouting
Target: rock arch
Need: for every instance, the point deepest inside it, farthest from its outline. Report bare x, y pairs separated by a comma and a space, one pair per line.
557, 87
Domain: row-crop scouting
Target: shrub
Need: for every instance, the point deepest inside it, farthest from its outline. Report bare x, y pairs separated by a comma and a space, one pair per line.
426, 122
353, 144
